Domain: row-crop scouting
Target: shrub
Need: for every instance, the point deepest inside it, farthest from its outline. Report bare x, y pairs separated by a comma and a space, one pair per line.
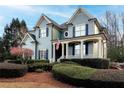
90, 62
116, 54
38, 70
74, 71
44, 66
37, 61
29, 61
72, 74
108, 78
70, 62
23, 53
12, 70
15, 61
88, 77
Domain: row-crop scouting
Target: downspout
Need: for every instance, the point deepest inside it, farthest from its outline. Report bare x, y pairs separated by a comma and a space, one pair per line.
35, 50
51, 40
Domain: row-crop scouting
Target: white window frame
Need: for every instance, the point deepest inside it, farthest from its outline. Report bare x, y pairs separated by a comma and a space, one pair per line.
77, 49
43, 54
80, 29
43, 32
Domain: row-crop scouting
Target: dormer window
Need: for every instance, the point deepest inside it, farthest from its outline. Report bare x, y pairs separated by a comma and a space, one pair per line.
80, 30
43, 32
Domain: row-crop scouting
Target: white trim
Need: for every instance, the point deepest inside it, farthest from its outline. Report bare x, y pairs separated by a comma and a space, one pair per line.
40, 19
82, 10
44, 54
26, 36
80, 30
47, 19
43, 49
41, 32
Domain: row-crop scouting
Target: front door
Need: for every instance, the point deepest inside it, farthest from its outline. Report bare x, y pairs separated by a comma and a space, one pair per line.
58, 52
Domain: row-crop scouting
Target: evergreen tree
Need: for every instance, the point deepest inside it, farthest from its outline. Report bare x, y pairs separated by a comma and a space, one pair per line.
23, 26
23, 23
7, 41
13, 35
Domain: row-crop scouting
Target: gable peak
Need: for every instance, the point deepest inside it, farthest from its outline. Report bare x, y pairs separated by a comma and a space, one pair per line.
78, 11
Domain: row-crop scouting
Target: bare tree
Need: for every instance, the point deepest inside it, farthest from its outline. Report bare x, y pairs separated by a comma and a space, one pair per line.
122, 21
111, 21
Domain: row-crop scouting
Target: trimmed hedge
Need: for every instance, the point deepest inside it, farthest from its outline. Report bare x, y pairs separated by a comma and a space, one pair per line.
81, 76
38, 61
9, 70
72, 74
29, 61
90, 62
43, 66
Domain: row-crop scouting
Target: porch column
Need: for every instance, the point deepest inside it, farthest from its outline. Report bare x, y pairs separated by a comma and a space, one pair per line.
62, 50
82, 51
66, 50
104, 49
54, 52
100, 48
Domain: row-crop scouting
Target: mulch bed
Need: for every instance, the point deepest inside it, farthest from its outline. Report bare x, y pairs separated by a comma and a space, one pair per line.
35, 80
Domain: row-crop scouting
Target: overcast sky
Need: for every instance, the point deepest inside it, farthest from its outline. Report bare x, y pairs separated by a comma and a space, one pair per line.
60, 14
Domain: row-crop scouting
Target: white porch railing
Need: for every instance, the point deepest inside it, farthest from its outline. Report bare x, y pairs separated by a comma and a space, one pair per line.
76, 56
89, 56
79, 56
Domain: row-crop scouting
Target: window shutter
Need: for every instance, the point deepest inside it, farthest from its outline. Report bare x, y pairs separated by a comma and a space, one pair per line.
47, 54
39, 54
73, 53
47, 32
73, 31
86, 29
39, 32
86, 48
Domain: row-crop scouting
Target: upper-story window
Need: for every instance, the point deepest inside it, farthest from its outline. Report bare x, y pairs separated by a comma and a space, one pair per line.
43, 32
80, 30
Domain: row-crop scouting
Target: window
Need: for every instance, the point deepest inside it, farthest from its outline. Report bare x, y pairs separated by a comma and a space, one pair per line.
43, 54
80, 30
77, 50
43, 32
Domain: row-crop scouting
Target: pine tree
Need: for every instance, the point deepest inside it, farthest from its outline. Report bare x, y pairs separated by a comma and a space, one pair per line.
23, 26
7, 41
13, 34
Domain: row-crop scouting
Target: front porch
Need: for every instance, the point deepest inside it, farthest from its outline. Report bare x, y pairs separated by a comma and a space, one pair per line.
90, 47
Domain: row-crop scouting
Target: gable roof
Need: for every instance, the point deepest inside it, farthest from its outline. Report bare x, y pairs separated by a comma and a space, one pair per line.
49, 20
32, 36
78, 11
40, 20
101, 28
64, 25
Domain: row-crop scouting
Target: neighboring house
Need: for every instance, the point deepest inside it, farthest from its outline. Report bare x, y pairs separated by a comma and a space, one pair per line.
80, 37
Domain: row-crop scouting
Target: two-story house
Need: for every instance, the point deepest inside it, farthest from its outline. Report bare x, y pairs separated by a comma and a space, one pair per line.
80, 37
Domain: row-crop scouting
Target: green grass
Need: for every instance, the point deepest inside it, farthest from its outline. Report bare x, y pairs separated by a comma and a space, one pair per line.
74, 71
